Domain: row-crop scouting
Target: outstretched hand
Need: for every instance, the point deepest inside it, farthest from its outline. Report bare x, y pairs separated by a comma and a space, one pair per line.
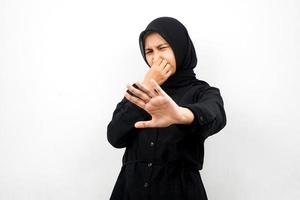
163, 110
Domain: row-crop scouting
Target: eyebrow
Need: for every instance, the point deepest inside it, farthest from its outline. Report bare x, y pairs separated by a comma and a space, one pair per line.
157, 46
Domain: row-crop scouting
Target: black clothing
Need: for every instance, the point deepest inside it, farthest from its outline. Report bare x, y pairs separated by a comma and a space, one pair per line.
164, 163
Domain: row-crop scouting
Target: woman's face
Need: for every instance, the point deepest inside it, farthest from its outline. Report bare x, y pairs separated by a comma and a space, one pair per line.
157, 47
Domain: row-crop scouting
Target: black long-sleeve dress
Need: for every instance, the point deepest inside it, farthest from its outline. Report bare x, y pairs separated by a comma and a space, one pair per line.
164, 163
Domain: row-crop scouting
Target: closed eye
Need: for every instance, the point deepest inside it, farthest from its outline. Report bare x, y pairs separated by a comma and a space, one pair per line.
164, 47
149, 51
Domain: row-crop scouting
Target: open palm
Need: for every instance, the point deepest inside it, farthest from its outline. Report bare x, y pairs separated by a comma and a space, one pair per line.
163, 110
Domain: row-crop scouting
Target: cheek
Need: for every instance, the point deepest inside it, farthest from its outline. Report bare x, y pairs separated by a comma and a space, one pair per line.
171, 59
173, 63
149, 60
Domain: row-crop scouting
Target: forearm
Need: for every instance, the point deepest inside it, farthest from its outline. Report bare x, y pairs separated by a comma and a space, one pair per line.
209, 114
146, 82
121, 127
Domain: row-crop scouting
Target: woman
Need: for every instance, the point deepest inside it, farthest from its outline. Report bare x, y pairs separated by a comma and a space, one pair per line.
164, 120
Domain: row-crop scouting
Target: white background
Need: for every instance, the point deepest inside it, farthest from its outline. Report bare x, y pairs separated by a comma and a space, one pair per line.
64, 66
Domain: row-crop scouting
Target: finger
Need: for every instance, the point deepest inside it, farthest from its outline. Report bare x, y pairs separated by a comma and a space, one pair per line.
157, 88
169, 73
163, 64
146, 90
167, 68
138, 93
157, 62
135, 100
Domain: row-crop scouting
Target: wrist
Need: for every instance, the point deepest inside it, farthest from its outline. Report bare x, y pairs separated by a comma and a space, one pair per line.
147, 83
186, 116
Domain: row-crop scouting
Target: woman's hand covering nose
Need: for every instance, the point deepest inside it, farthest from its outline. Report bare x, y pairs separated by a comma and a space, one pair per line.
163, 110
160, 71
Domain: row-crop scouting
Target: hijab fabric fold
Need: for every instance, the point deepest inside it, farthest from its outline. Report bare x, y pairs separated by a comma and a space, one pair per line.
175, 33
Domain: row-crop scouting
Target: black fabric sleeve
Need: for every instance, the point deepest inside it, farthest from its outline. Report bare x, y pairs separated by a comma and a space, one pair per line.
121, 130
209, 114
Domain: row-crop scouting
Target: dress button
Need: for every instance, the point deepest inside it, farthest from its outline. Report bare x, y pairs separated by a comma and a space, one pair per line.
151, 144
149, 164
201, 118
146, 184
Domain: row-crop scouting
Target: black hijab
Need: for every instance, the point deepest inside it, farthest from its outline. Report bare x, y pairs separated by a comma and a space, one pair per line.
175, 33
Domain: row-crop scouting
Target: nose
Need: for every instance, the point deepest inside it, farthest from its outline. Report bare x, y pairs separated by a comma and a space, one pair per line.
155, 57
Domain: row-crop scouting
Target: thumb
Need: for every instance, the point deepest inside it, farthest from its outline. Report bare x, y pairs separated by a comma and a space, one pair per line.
143, 124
